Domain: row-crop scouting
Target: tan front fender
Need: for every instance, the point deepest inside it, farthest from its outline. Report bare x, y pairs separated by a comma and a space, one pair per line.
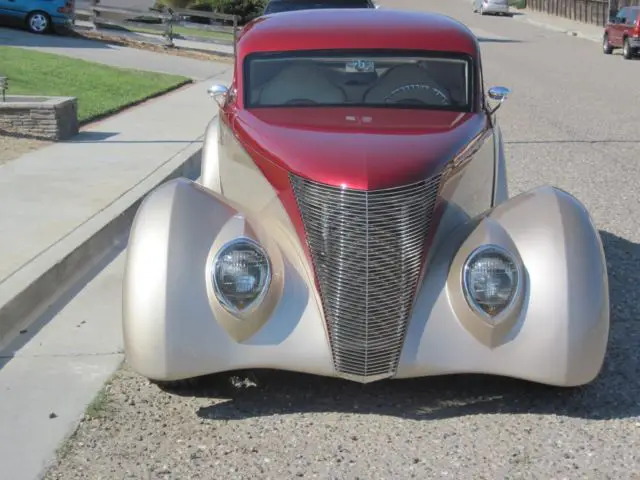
557, 333
210, 177
174, 327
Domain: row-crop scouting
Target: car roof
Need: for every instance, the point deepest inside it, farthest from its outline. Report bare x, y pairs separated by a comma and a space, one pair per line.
358, 28
318, 4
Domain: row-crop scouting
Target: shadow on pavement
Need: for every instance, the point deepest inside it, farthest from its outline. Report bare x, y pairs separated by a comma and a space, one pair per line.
497, 40
550, 142
100, 137
613, 395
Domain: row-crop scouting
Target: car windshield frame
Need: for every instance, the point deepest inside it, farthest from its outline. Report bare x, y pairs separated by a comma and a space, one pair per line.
470, 74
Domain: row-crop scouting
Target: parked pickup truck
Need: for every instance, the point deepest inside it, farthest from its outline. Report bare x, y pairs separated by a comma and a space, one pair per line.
623, 31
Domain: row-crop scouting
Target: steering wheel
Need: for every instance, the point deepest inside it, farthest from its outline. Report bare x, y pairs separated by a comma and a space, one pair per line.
439, 97
300, 101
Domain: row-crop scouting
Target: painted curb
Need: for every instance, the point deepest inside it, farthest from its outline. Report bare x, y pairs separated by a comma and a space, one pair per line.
47, 277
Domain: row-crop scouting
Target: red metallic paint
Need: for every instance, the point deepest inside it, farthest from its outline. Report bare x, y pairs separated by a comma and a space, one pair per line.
407, 146
358, 148
354, 29
350, 29
361, 148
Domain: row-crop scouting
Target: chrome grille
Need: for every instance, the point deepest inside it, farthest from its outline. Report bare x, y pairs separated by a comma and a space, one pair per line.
367, 250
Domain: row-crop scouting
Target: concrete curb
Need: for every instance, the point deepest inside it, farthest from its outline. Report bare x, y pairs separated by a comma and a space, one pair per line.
46, 278
217, 53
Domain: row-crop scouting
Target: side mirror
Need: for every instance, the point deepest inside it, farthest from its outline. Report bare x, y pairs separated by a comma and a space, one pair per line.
498, 94
218, 92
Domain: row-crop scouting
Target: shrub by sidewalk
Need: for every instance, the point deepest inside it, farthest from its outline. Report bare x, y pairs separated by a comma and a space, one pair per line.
100, 89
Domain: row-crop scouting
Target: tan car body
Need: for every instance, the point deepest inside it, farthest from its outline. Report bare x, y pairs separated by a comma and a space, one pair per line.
174, 328
554, 331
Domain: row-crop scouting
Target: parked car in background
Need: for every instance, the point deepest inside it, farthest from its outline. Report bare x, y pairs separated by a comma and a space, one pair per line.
494, 7
623, 31
279, 6
38, 16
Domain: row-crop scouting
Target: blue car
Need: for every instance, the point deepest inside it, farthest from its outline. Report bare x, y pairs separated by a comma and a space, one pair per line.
38, 16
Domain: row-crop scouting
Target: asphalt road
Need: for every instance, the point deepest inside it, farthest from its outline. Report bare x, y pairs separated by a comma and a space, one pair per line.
572, 121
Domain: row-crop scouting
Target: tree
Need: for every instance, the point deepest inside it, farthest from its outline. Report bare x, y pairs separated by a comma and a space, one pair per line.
176, 3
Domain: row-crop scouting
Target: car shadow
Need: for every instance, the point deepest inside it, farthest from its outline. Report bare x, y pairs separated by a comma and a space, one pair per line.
614, 394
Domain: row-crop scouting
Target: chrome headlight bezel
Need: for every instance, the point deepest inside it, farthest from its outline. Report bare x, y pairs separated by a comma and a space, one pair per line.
485, 250
220, 296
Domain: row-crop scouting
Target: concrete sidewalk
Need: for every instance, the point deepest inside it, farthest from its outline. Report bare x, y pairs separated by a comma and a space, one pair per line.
559, 24
56, 200
48, 378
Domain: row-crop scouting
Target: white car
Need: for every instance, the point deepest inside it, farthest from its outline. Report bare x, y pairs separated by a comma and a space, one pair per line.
496, 7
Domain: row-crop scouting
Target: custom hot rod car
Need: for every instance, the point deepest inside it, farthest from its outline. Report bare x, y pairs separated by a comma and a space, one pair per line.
353, 220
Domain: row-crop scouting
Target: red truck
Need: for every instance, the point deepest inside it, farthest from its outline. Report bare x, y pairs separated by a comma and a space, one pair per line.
623, 31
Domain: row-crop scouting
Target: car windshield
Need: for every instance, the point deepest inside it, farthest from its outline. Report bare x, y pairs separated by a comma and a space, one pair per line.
367, 79
277, 6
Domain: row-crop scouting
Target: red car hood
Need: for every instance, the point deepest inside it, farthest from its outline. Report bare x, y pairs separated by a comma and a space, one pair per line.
358, 148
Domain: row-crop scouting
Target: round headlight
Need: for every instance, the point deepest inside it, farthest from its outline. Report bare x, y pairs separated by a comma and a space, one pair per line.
241, 274
490, 280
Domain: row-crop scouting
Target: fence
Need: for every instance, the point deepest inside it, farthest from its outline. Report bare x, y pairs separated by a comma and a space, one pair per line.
596, 12
169, 24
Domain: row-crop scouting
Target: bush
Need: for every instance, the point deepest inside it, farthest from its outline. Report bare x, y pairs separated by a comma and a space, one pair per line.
176, 3
244, 9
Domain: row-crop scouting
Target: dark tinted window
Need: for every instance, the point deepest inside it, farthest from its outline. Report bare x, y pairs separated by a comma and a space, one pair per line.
622, 15
358, 79
277, 6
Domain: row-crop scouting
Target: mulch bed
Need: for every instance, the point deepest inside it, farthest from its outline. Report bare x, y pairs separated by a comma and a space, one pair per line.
127, 42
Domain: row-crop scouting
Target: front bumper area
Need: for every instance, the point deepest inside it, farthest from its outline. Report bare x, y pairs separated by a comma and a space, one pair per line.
634, 42
172, 329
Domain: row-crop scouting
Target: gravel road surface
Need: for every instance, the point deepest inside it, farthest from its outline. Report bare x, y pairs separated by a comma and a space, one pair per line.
565, 125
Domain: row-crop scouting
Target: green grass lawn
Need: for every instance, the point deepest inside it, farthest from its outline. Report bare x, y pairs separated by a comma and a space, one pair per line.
100, 89
211, 34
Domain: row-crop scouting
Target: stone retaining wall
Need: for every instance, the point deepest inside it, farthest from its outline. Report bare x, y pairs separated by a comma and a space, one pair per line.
51, 118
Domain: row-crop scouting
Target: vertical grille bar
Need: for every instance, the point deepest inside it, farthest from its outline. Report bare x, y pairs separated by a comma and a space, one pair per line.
367, 250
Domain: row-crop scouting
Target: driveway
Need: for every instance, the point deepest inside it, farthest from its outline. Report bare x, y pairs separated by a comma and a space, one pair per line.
563, 125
